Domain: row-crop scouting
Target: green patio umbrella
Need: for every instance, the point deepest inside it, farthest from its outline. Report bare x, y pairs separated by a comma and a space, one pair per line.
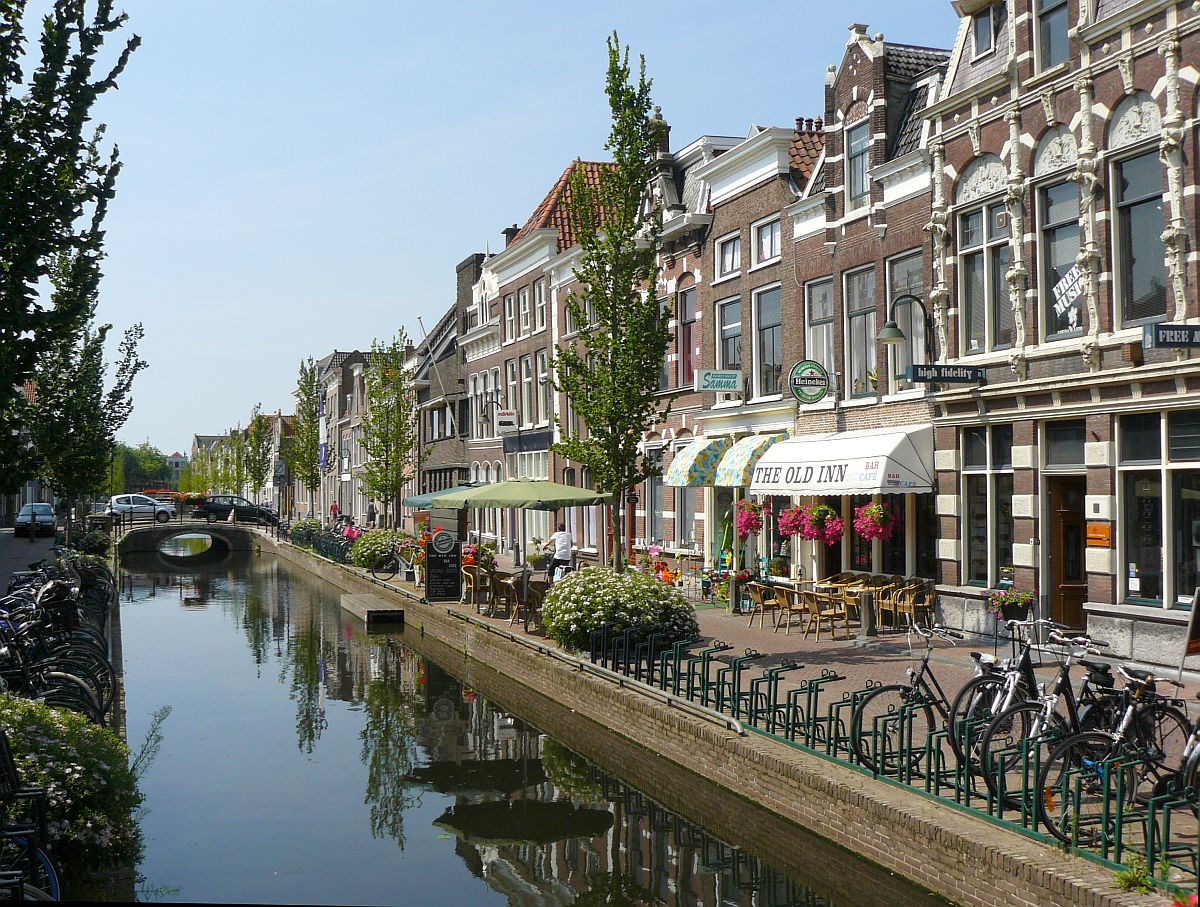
431, 500
523, 494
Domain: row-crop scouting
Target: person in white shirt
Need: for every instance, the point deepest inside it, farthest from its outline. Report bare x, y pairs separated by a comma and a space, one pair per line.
561, 541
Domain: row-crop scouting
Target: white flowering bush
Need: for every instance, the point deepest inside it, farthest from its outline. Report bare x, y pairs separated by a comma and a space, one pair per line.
587, 599
91, 792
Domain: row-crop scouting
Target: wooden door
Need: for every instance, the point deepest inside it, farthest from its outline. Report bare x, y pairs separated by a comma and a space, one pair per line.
1068, 538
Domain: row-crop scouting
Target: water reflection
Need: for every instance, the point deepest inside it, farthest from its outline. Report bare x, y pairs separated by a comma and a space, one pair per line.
453, 788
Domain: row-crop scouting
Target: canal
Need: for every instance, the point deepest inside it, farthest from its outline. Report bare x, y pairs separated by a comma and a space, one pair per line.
304, 761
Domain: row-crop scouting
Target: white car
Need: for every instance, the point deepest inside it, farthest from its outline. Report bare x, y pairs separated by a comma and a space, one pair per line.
141, 507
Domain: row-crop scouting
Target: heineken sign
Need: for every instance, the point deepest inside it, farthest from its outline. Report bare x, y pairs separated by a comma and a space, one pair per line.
809, 381
948, 374
723, 382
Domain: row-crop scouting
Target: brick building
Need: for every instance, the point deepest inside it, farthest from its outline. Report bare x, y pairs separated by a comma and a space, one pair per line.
1064, 215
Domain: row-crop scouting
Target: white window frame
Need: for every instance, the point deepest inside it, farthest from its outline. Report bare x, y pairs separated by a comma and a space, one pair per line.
719, 256
853, 202
915, 336
990, 471
718, 308
1117, 237
542, 377
987, 248
756, 229
539, 305
523, 309
510, 318
1039, 52
510, 376
810, 341
528, 403
849, 392
755, 295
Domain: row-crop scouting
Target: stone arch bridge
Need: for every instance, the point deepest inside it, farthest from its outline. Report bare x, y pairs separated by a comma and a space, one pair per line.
225, 536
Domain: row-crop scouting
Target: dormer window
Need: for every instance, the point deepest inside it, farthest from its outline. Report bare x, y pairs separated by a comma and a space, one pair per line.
983, 26
1051, 33
858, 146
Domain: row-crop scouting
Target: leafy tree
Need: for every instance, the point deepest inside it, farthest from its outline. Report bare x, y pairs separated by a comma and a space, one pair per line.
258, 450
302, 450
55, 185
389, 427
612, 376
231, 461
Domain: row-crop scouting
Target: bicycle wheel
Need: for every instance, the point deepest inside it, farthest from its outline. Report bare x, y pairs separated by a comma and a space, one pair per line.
1163, 732
970, 711
1075, 784
1002, 755
876, 736
41, 871
385, 566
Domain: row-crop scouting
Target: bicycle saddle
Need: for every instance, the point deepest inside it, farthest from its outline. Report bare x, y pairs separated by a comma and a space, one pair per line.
1100, 667
1137, 674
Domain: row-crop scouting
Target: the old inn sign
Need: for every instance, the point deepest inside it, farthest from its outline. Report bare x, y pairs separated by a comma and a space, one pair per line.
878, 461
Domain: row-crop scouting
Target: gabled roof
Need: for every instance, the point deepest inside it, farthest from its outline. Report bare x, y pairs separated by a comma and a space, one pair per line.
805, 150
908, 136
907, 61
552, 212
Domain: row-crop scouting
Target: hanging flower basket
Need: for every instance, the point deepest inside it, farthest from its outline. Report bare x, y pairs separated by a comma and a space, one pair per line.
1011, 604
822, 523
790, 521
749, 519
875, 521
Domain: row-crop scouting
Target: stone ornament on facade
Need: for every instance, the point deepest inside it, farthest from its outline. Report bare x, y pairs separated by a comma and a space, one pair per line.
1057, 151
1089, 251
1170, 152
984, 176
973, 132
1014, 201
1047, 99
939, 234
1136, 119
1125, 67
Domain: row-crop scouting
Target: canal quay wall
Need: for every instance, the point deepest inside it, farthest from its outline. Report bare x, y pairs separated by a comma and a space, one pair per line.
962, 857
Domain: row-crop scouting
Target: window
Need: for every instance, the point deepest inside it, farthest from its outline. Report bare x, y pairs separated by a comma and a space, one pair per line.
860, 316
858, 145
544, 405
686, 350
510, 317
527, 402
983, 262
982, 27
1064, 445
685, 518
987, 500
729, 326
1051, 32
906, 278
523, 297
768, 347
1062, 281
589, 514
539, 304
766, 242
1142, 279
653, 503
729, 256
510, 374
664, 376
818, 302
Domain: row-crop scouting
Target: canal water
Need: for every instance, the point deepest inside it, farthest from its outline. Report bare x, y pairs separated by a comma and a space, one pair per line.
304, 761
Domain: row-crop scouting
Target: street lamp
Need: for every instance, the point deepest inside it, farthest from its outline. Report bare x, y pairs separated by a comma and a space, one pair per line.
518, 559
891, 335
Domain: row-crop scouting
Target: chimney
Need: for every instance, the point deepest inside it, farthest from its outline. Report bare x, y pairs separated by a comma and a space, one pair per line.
510, 233
663, 129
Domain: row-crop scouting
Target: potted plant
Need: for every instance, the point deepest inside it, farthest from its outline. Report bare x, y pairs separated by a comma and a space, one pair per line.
875, 521
821, 522
1011, 603
790, 521
778, 566
535, 555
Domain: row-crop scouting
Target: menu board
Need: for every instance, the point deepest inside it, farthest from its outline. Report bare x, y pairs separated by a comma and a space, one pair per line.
443, 568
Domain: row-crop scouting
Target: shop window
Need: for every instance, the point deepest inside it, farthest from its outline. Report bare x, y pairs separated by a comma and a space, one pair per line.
832, 554
987, 506
818, 300
685, 517
1183, 435
926, 535
1142, 280
1185, 498
653, 504
893, 549
1140, 438
778, 546
860, 317
1143, 534
984, 255
1061, 281
860, 548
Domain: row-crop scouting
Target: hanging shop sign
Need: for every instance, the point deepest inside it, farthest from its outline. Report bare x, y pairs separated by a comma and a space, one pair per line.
506, 421
947, 374
1171, 336
721, 381
809, 381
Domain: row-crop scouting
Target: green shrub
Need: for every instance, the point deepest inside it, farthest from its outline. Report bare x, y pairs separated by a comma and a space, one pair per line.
587, 599
311, 525
92, 794
95, 542
368, 546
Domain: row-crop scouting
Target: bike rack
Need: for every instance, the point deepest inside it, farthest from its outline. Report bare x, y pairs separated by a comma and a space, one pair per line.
729, 681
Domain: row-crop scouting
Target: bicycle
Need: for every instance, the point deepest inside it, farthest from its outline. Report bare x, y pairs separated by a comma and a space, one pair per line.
877, 728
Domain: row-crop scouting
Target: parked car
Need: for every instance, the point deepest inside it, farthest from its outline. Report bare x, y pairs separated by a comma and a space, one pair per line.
34, 518
140, 507
217, 506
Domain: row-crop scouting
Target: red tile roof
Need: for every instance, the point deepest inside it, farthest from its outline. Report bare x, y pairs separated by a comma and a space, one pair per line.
805, 150
552, 212
29, 391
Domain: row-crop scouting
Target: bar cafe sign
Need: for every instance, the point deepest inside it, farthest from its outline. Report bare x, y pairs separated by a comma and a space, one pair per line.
809, 381
723, 382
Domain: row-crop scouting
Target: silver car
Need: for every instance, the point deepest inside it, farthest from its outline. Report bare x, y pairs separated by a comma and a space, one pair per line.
34, 518
141, 507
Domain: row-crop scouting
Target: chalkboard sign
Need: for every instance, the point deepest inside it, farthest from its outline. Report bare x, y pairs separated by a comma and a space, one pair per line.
443, 568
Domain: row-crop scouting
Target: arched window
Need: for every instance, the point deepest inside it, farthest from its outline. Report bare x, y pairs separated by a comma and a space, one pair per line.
1060, 280
985, 312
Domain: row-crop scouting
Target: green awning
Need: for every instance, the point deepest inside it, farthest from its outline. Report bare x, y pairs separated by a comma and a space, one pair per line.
425, 501
695, 466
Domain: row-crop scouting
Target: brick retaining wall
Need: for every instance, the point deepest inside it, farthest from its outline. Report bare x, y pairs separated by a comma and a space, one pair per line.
962, 857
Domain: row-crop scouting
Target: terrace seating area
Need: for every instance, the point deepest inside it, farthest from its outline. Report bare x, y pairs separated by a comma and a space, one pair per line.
835, 602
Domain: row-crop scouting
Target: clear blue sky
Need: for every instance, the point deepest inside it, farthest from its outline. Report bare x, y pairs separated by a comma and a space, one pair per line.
304, 176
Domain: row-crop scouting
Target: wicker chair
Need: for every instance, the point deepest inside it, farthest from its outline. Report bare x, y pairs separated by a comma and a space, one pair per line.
789, 606
821, 607
762, 599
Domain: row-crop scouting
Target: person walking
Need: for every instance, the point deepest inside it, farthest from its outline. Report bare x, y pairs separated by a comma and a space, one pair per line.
562, 543
371, 514
334, 512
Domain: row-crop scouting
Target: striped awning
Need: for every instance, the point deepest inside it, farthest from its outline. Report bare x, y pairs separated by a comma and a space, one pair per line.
737, 466
695, 466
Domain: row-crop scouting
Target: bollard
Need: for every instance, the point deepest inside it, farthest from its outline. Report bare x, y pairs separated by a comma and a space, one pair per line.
866, 615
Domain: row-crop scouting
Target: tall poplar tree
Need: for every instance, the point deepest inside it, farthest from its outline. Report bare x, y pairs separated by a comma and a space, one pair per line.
302, 452
389, 426
258, 451
612, 376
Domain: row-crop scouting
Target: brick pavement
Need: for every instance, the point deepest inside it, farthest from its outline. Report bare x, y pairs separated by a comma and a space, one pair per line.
18, 553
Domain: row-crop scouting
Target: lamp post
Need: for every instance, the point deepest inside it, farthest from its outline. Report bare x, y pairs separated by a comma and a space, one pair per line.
891, 334
518, 559
343, 454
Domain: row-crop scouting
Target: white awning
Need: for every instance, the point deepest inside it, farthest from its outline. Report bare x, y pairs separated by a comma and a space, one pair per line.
878, 461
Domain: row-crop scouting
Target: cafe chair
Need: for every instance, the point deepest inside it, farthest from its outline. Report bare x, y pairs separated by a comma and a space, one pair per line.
790, 605
821, 607
762, 599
